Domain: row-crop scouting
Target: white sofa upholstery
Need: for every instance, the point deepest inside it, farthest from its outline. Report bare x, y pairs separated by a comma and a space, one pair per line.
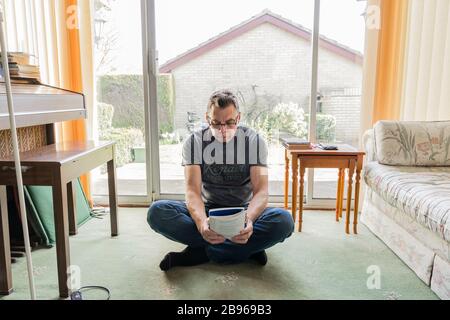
407, 197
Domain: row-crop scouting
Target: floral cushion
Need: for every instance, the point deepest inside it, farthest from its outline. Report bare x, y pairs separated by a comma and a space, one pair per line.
422, 193
413, 143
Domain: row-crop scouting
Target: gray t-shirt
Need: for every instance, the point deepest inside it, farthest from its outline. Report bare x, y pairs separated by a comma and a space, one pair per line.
225, 167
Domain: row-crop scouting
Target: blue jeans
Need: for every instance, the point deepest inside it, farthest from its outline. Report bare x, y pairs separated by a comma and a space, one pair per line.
172, 220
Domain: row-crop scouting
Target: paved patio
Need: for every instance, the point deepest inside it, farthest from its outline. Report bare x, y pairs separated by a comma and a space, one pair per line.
131, 177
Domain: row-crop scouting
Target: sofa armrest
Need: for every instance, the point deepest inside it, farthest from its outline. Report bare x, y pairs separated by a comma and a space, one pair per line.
369, 146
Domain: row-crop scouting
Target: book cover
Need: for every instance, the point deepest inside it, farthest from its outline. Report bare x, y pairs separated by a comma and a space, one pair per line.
295, 143
227, 222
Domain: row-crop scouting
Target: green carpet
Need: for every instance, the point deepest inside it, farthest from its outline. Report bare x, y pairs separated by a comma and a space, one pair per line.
322, 262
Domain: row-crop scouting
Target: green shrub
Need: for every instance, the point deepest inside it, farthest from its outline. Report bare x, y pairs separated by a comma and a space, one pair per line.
170, 138
166, 104
126, 139
126, 93
165, 127
325, 127
105, 114
290, 119
284, 118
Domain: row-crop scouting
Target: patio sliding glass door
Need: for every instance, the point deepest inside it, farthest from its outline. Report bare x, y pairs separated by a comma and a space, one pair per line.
259, 49
264, 50
121, 106
339, 81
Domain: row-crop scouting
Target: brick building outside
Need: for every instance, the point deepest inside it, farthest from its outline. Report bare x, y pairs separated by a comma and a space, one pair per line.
268, 59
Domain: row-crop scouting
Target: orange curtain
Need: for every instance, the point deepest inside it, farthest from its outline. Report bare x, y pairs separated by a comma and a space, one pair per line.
74, 130
390, 61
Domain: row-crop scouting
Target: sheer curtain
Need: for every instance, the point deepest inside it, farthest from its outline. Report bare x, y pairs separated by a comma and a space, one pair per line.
370, 65
59, 34
407, 63
426, 92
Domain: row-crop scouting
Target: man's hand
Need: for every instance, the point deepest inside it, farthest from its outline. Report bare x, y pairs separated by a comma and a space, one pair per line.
210, 235
245, 234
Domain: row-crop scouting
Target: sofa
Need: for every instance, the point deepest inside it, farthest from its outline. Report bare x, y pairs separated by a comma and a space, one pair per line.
407, 195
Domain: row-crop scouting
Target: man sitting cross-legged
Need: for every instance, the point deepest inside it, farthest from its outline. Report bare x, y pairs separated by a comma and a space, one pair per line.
225, 166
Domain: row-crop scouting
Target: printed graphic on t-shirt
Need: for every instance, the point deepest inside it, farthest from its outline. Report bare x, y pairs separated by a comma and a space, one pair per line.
225, 166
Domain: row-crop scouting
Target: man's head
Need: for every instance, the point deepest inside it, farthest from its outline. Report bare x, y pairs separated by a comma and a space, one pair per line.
223, 114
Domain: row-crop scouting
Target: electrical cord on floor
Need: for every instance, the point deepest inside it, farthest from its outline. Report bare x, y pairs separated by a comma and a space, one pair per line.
98, 212
77, 294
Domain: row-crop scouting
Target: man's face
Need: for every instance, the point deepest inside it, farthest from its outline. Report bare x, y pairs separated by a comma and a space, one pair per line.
223, 122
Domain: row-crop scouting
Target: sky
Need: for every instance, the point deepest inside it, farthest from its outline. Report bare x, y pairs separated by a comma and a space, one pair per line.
181, 25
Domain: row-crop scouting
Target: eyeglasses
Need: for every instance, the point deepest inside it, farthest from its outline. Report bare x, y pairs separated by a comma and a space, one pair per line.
230, 124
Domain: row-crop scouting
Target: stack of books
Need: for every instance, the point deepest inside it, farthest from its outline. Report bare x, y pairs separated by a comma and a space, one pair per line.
21, 68
296, 144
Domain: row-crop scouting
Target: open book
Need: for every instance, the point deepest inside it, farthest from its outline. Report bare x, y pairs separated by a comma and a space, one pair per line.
227, 222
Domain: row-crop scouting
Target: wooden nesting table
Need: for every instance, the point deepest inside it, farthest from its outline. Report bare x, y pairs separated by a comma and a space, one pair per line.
55, 165
346, 158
